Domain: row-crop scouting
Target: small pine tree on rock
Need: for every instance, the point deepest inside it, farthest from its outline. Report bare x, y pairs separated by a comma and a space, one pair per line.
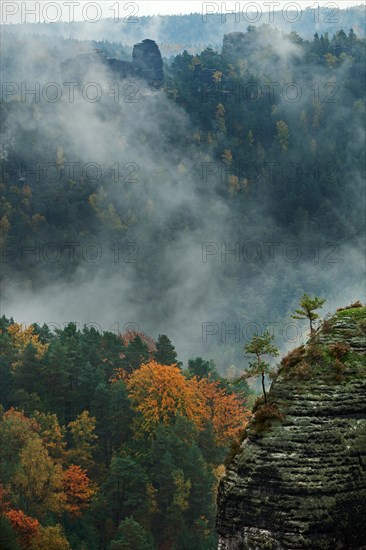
308, 306
259, 346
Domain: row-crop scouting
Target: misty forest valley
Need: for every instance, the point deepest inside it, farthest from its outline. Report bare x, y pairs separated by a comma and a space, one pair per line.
183, 319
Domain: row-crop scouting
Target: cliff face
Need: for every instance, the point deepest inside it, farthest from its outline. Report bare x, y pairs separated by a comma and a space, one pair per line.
299, 479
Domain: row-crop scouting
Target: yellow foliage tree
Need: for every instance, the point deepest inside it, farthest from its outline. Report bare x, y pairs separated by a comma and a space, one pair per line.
83, 438
52, 434
38, 480
217, 76
22, 336
16, 430
161, 392
182, 490
283, 135
227, 156
50, 538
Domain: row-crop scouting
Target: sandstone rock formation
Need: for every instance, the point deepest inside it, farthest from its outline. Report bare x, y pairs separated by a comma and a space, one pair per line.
299, 478
147, 61
146, 64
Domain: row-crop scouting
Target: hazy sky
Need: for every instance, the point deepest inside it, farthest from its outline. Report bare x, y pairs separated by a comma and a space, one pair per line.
17, 11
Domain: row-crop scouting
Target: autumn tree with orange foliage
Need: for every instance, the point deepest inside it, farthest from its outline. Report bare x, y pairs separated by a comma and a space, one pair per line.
24, 525
78, 489
225, 410
161, 392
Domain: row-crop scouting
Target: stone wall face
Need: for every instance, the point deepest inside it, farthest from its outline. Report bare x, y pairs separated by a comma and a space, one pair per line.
300, 481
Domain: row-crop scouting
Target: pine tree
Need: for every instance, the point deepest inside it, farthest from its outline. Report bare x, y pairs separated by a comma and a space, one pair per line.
199, 367
259, 346
130, 535
136, 353
165, 353
8, 535
308, 306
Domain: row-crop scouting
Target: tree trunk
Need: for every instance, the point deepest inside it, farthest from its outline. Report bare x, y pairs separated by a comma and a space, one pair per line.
264, 389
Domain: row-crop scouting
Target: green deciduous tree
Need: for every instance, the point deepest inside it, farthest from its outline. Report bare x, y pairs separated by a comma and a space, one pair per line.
38, 481
83, 439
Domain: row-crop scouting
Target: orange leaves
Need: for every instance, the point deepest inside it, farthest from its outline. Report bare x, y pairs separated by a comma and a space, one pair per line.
226, 412
161, 392
18, 420
38, 451
119, 374
130, 335
78, 489
25, 526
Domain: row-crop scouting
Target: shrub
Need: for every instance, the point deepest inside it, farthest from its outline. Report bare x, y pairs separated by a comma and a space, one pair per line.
339, 349
326, 326
258, 403
352, 306
303, 370
293, 357
264, 416
314, 354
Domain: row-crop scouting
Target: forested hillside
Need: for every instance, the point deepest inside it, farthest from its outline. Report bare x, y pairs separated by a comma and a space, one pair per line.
201, 208
106, 441
257, 150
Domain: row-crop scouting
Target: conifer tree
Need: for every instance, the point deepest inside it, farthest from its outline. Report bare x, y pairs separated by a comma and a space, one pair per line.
165, 353
259, 346
308, 306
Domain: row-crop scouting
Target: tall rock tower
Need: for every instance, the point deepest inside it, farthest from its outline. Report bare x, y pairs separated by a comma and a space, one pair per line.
148, 63
299, 479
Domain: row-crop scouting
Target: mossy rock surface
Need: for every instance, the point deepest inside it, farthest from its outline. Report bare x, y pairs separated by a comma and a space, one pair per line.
299, 481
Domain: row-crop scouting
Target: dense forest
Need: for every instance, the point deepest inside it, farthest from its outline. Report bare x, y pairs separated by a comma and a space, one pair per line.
106, 442
265, 159
201, 209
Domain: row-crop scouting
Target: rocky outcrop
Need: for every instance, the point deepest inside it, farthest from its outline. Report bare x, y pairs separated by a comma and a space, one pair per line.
146, 64
299, 478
